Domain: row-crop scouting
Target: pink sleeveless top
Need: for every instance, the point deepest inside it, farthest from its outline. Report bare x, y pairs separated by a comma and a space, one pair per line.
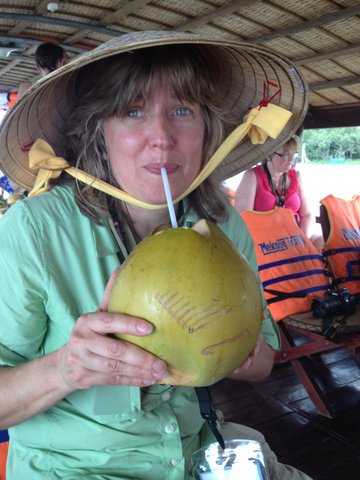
265, 199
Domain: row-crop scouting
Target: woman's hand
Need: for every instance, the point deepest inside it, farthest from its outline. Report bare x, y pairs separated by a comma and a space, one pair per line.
250, 358
258, 363
93, 356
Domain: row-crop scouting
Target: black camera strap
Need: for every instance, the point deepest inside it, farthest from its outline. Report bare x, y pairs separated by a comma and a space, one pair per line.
279, 296
208, 413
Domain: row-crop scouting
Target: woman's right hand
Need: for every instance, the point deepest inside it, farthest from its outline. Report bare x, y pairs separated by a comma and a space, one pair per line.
93, 356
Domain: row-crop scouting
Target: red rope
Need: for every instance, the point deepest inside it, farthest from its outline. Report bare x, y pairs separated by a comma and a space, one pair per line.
264, 102
27, 147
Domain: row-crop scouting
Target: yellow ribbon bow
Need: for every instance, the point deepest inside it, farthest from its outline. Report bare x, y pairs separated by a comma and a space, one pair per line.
259, 124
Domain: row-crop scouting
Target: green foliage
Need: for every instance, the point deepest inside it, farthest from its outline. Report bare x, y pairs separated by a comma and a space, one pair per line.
332, 145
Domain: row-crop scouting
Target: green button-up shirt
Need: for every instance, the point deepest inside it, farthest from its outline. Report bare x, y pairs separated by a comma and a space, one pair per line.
55, 264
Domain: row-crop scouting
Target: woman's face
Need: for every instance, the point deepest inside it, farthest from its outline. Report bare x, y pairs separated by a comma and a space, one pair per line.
160, 132
283, 161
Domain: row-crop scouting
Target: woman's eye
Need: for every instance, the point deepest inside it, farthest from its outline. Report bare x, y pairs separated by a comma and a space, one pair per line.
133, 113
183, 111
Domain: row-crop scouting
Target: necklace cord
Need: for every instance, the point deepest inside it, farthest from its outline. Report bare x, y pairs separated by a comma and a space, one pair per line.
279, 198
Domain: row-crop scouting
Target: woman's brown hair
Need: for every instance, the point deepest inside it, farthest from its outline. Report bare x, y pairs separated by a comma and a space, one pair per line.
106, 89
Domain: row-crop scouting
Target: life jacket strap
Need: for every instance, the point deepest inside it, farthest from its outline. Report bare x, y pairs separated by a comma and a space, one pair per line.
279, 296
334, 251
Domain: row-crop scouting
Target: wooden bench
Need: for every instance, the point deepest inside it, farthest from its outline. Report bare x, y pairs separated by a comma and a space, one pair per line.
302, 357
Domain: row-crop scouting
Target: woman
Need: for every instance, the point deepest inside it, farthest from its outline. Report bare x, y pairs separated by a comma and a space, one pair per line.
85, 404
48, 57
275, 183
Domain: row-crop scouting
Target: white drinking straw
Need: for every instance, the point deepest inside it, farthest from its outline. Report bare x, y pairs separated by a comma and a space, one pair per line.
169, 197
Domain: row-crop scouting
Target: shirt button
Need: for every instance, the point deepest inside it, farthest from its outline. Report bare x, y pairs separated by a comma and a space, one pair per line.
169, 428
165, 396
174, 462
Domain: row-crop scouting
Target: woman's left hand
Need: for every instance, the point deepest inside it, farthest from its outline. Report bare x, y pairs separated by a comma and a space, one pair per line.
258, 363
250, 358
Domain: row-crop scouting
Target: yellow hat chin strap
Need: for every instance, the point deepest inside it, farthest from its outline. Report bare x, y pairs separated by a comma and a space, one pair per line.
259, 124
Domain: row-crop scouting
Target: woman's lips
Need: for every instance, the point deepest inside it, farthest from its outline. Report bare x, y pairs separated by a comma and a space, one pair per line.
156, 168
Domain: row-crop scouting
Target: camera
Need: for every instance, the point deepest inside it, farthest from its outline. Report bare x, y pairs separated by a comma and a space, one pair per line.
336, 302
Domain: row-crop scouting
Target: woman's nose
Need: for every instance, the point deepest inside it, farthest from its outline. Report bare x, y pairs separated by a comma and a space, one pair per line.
161, 133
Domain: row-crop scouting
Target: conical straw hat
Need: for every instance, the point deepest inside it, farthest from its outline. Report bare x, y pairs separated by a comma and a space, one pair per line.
43, 111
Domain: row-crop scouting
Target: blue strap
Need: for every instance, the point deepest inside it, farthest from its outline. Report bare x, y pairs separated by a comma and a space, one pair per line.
292, 276
279, 296
334, 251
4, 436
286, 261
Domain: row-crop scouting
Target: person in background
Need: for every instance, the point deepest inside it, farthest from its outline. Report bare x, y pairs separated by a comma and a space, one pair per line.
48, 57
276, 183
85, 404
9, 192
8, 100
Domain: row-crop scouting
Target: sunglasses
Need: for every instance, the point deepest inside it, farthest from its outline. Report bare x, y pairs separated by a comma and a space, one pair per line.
286, 156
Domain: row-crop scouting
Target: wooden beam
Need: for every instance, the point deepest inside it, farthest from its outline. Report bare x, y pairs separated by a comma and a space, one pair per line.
226, 9
14, 62
7, 87
21, 26
336, 83
110, 18
333, 116
9, 66
27, 41
126, 9
62, 22
306, 25
330, 55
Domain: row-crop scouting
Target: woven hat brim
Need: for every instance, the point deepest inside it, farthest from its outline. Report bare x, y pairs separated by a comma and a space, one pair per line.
43, 111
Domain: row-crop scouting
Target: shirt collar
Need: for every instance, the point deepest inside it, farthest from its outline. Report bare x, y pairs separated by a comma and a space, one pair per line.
108, 242
105, 241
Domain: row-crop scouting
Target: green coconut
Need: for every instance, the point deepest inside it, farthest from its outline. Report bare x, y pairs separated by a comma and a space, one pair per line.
200, 294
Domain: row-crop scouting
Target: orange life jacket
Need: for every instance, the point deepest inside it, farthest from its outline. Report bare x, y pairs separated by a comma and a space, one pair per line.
4, 446
8, 100
13, 96
342, 247
292, 271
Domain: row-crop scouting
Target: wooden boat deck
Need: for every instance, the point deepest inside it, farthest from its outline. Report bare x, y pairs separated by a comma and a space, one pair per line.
280, 408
